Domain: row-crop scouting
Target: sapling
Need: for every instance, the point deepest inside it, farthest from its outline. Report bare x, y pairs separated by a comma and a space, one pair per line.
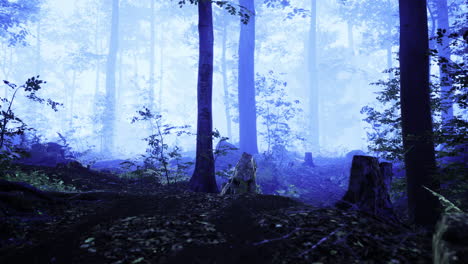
276, 113
158, 154
10, 124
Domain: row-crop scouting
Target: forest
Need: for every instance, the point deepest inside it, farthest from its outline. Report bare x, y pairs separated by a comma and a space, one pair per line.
204, 131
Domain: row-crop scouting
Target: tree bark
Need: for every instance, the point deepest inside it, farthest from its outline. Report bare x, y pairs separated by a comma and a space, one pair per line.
368, 188
203, 178
109, 122
416, 116
246, 83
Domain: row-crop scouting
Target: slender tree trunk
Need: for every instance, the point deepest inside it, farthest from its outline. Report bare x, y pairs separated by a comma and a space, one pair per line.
350, 37
109, 123
445, 52
203, 178
246, 83
98, 48
72, 99
161, 66
313, 79
225, 80
151, 58
416, 114
38, 47
389, 50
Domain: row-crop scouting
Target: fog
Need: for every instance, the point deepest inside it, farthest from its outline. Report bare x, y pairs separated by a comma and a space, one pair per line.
68, 43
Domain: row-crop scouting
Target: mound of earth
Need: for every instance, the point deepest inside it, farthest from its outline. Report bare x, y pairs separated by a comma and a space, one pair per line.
140, 223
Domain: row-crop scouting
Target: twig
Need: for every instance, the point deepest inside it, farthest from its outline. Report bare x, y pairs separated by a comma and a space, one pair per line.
318, 243
276, 239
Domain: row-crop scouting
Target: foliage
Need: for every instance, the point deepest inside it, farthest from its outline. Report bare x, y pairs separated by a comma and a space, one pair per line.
448, 206
223, 150
450, 136
232, 9
13, 16
276, 111
159, 158
10, 124
39, 180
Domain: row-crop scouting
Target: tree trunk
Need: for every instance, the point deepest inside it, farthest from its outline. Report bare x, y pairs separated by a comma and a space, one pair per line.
161, 65
98, 48
313, 82
109, 122
445, 52
151, 58
246, 85
38, 47
225, 81
389, 50
72, 99
350, 38
308, 161
368, 188
203, 178
416, 114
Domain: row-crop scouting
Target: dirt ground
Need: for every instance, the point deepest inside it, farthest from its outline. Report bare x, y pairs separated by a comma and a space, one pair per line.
116, 221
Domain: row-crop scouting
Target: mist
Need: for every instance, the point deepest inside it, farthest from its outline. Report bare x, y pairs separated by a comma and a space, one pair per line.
68, 45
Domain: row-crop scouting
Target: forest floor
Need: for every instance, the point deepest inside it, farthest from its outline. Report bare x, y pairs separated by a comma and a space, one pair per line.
110, 220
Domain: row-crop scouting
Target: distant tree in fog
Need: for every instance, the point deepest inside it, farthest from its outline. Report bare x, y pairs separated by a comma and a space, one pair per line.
313, 78
246, 82
109, 116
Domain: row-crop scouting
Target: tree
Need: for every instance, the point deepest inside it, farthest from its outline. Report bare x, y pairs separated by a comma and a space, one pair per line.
444, 53
152, 53
13, 15
225, 78
108, 126
313, 83
246, 81
416, 114
203, 178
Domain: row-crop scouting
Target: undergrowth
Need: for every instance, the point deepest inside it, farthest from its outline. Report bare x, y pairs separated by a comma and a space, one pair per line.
40, 180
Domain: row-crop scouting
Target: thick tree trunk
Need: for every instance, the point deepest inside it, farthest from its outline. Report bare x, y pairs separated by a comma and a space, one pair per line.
445, 52
203, 178
313, 79
368, 188
246, 85
109, 122
416, 114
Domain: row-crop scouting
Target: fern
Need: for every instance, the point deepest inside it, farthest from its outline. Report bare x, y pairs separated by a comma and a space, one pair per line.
448, 205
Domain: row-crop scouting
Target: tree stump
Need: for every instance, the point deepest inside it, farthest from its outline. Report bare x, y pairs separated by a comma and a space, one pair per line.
450, 240
386, 169
368, 188
308, 161
244, 178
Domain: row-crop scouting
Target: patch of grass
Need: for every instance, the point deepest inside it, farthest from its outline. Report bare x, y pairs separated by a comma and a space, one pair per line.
40, 180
